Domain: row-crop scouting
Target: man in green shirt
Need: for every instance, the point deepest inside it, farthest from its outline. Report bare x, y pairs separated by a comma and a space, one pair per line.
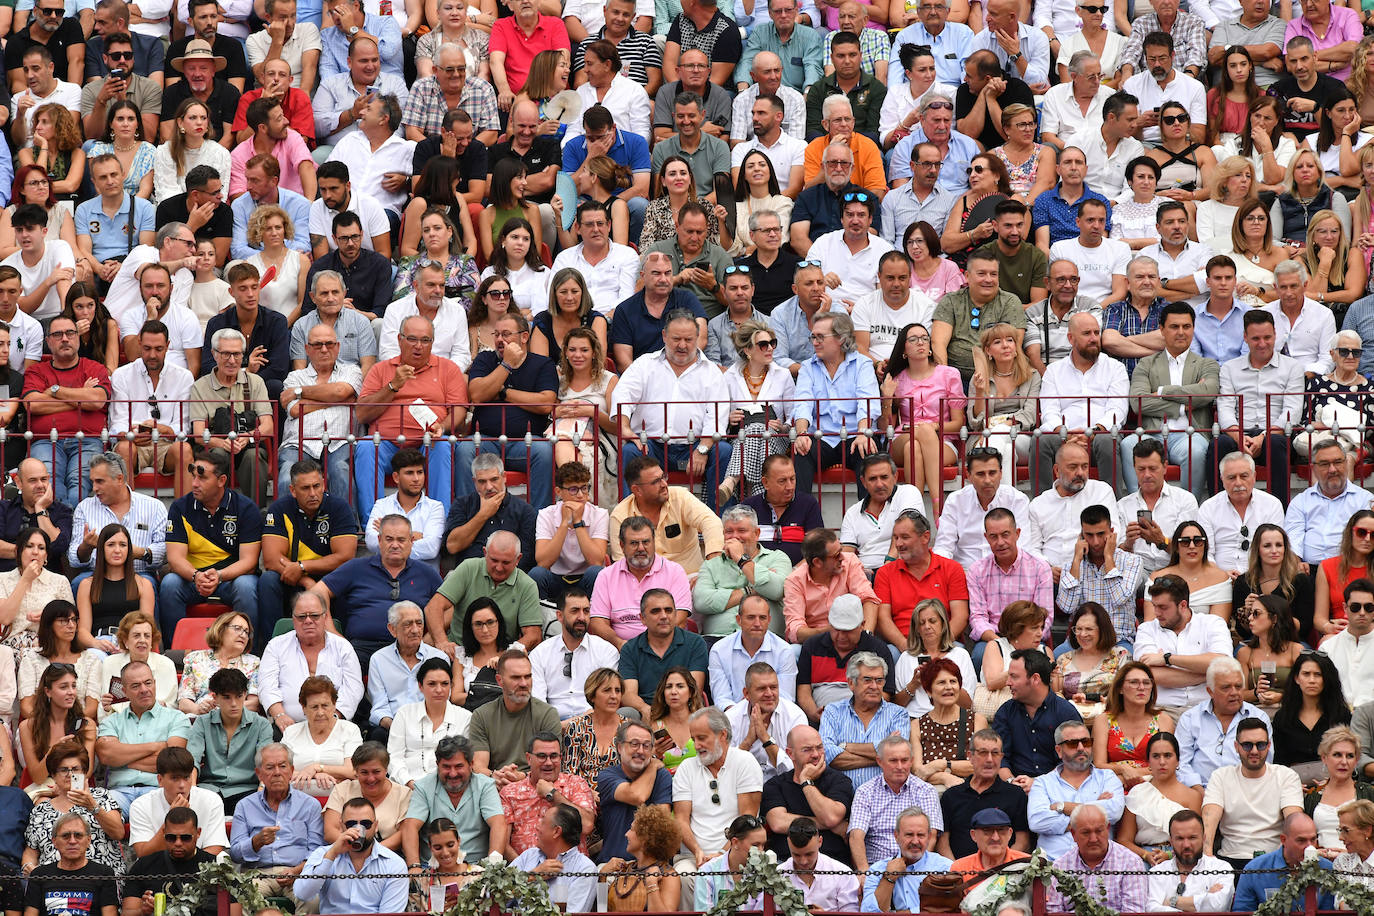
707, 155
698, 263
454, 791
1020, 265
962, 316
225, 737
501, 730
495, 575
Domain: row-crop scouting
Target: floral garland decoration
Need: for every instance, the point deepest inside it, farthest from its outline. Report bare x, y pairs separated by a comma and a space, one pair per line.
209, 880
504, 888
1353, 895
760, 875
1019, 884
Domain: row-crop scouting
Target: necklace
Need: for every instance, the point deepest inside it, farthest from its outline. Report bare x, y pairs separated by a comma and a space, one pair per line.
125, 149
1008, 374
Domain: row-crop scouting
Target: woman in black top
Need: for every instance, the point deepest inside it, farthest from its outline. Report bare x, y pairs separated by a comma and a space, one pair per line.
1312, 702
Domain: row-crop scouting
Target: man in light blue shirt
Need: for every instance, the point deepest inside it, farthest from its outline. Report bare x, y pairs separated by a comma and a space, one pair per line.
842, 725
262, 175
792, 319
556, 854
350, 22
1317, 516
103, 220
391, 680
716, 876
1219, 333
336, 102
800, 48
469, 799
1055, 795
1207, 732
950, 42
358, 859
838, 402
884, 890
277, 828
919, 199
137, 734
936, 126
751, 644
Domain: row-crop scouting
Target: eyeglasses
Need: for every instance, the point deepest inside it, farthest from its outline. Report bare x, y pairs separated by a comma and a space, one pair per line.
548, 755
179, 837
1358, 607
817, 338
1244, 537
36, 183
322, 344
421, 341
229, 354
364, 824
581, 489
72, 835
1349, 352
715, 792
694, 66
636, 744
1256, 218
930, 165
737, 269
153, 409
453, 71
486, 623
835, 163
1192, 540
1251, 746
1173, 119
862, 197
395, 589
120, 55
61, 335
768, 344
69, 771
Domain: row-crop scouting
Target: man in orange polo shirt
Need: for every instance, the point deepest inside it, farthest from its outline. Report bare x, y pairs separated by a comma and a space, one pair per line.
992, 833
409, 395
917, 574
837, 119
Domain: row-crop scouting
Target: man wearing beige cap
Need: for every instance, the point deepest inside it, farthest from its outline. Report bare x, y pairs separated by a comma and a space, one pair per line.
200, 67
821, 666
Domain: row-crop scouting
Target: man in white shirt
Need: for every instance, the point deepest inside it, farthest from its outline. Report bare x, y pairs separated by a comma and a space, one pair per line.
1179, 645
1305, 328
562, 664
1083, 398
1206, 881
378, 159
1160, 83
151, 394
763, 718
1349, 649
866, 529
570, 536
184, 335
336, 196
1232, 517
1072, 112
1023, 51
1054, 526
448, 316
611, 270
42, 87
1101, 261
1182, 262
175, 770
960, 532
46, 267
850, 256
26, 334
1150, 513
720, 770
1248, 802
174, 247
426, 515
786, 152
1270, 386
1113, 145
880, 315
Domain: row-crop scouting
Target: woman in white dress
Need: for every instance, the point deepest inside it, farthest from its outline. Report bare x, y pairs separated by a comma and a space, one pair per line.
281, 270
758, 389
1209, 585
322, 746
1252, 248
1339, 139
188, 148
757, 190
1144, 826
418, 728
1232, 182
1101, 42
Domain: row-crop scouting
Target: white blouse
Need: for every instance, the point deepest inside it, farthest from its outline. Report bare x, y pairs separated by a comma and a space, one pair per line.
335, 750
777, 386
529, 288
167, 183
413, 739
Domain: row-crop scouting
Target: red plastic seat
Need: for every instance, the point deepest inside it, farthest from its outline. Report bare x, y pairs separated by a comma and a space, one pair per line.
206, 609
190, 633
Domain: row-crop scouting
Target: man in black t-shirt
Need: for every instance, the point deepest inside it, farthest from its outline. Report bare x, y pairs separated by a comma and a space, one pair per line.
985, 92
982, 790
63, 37
180, 855
1303, 90
202, 209
457, 139
205, 19
810, 789
200, 67
73, 885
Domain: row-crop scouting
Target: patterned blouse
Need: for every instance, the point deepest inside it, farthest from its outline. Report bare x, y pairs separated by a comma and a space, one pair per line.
1076, 681
460, 276
103, 850
581, 755
1324, 389
144, 159
1023, 175
659, 224
200, 664
49, 586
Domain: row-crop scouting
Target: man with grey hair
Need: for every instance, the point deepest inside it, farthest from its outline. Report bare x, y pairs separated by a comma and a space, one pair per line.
639, 322
317, 417
490, 507
1303, 326
873, 815
937, 126
838, 403
1110, 872
716, 786
894, 885
391, 680
450, 87
1047, 320
276, 828
1238, 505
497, 575
853, 728
1056, 795
1318, 516
1207, 732
379, 161
175, 248
840, 124
1072, 110
113, 501
231, 409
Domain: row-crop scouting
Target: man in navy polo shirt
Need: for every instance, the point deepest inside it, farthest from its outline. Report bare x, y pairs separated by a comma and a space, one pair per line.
637, 327
600, 137
645, 659
306, 535
528, 383
489, 508
818, 208
214, 536
362, 591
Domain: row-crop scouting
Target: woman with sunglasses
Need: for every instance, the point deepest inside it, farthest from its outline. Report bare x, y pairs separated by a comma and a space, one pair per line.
1253, 250
1228, 105
418, 727
1335, 573
1336, 274
1232, 182
1263, 141
94, 804
1185, 167
139, 640
1272, 649
676, 186
987, 181
1131, 717
675, 699
56, 718
57, 645
228, 640
484, 639
927, 402
1003, 399
491, 303
1342, 398
1029, 165
757, 189
931, 272
1312, 703
1096, 39
1209, 585
1144, 825
28, 589
1303, 194
759, 390
124, 139
1133, 218
1274, 569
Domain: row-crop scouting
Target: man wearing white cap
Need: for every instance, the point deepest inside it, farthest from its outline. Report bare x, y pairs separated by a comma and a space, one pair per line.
821, 666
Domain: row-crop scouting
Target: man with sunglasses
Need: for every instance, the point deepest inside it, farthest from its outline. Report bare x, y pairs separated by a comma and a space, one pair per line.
739, 308
111, 18
99, 93
73, 875
1249, 801
1317, 516
936, 126
1347, 648
180, 855
1075, 782
176, 789
59, 36
355, 855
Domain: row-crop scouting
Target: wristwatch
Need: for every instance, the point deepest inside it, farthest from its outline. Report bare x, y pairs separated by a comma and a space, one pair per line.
808, 782
769, 743
548, 796
703, 449
1013, 58
354, 30
54, 389
743, 562
579, 524
1167, 656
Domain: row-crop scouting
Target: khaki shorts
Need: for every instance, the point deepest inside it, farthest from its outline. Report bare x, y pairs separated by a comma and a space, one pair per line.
166, 456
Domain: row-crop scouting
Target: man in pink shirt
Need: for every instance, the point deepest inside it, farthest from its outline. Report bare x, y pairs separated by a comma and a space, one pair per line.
615, 597
515, 40
273, 136
1334, 30
825, 572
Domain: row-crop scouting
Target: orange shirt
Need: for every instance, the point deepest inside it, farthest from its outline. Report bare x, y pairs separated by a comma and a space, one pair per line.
868, 161
973, 865
438, 384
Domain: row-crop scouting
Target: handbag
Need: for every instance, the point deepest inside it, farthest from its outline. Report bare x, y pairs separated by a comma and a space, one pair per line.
941, 893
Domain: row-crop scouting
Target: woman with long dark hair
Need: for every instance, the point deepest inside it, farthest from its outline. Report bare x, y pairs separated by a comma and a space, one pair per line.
1312, 702
99, 332
517, 258
57, 645
1274, 569
1209, 584
439, 244
111, 591
1351, 562
491, 303
57, 716
1339, 138
1132, 716
585, 387
506, 201
931, 272
1185, 167
1144, 826
29, 588
1273, 647
1264, 142
1253, 248
1228, 105
124, 139
436, 188
676, 186
926, 400
757, 188
987, 179
675, 699
193, 142
484, 639
569, 306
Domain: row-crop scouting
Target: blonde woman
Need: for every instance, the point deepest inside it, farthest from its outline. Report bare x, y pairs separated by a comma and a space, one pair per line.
189, 147
1362, 70
1305, 193
1030, 165
1336, 274
1002, 406
1232, 181
585, 387
282, 270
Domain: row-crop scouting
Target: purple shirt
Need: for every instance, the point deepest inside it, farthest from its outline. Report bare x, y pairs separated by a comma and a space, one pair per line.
990, 590
616, 593
1123, 893
1344, 26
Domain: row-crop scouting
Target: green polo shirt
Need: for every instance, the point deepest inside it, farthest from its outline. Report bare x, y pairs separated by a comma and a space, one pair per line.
866, 98
505, 736
712, 257
480, 801
518, 597
161, 723
711, 158
226, 767
956, 310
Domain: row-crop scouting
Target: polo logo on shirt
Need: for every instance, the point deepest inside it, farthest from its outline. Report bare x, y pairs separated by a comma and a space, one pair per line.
231, 526
322, 528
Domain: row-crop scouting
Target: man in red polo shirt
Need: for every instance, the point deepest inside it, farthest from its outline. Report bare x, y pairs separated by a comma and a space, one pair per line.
514, 42
295, 103
917, 574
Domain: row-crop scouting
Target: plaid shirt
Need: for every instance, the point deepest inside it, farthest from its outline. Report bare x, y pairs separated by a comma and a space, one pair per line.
874, 46
1123, 318
425, 109
1115, 590
875, 811
1190, 41
1118, 881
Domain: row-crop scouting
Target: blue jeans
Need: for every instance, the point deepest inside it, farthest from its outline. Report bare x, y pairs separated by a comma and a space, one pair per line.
372, 462
338, 477
638, 207
535, 459
552, 585
125, 796
677, 457
274, 603
176, 593
1187, 450
69, 463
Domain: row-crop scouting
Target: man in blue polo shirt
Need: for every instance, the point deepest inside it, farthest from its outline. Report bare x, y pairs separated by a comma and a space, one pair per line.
818, 208
214, 536
600, 137
637, 326
306, 535
1055, 212
103, 221
489, 508
645, 659
362, 591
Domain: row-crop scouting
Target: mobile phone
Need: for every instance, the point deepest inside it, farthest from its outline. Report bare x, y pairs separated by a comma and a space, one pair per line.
119, 73
661, 734
1092, 696
922, 659
78, 782
1144, 515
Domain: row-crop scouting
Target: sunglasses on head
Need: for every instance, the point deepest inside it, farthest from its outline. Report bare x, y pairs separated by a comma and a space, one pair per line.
862, 197
737, 269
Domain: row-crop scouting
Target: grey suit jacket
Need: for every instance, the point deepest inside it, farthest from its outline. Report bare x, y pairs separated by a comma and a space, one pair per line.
1156, 401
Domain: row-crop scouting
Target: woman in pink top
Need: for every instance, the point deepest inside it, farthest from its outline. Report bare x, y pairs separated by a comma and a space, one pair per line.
930, 273
927, 402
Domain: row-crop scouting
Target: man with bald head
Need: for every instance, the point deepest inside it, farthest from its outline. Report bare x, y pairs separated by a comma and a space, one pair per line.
766, 75
541, 154
35, 506
694, 75
1065, 411
1109, 871
810, 789
496, 575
